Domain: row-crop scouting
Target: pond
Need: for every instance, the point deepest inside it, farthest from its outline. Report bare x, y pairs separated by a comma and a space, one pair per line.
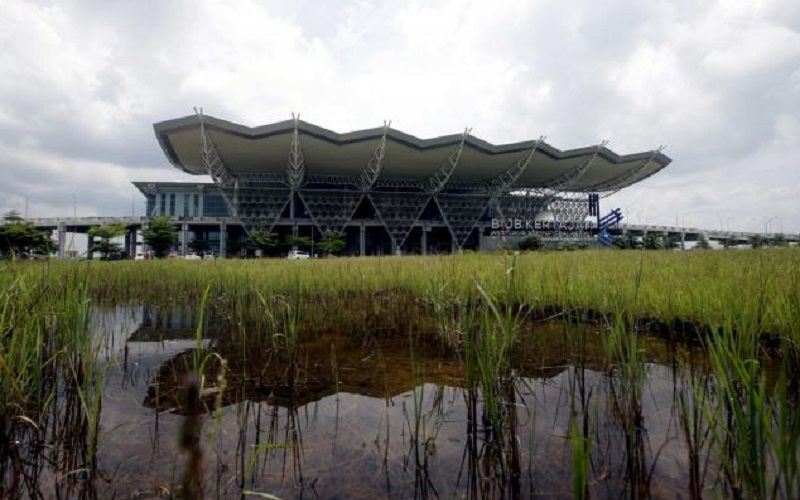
338, 413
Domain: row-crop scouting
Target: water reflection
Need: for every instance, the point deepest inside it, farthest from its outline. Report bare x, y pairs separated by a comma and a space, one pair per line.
385, 416
360, 416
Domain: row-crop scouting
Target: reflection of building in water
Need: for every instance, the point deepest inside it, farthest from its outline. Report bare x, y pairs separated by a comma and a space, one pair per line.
169, 323
331, 362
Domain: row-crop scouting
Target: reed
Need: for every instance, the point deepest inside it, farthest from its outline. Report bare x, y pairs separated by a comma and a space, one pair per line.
744, 307
697, 288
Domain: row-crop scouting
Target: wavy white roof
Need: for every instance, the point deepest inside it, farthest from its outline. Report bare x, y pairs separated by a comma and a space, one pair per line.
266, 149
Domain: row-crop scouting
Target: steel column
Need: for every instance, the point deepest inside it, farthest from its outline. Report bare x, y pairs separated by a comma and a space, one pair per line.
363, 240
132, 250
184, 238
439, 180
612, 186
223, 238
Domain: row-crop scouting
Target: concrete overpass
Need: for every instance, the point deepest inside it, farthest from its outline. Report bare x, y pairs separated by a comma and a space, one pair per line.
684, 234
64, 225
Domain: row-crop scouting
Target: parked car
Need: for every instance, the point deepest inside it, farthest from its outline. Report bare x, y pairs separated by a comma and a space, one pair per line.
192, 256
297, 254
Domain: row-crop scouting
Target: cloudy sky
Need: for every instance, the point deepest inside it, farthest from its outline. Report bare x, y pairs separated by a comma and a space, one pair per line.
717, 82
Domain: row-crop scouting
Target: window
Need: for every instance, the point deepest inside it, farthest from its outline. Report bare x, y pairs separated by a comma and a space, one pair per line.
214, 206
150, 207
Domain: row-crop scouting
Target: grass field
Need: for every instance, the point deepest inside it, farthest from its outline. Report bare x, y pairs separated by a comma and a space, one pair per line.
743, 307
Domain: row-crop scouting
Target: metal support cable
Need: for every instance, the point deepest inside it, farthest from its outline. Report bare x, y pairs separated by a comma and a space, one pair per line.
614, 185
227, 183
505, 180
563, 181
373, 168
438, 181
296, 169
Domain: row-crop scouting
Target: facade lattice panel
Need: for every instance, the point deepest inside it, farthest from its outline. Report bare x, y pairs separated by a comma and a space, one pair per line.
399, 211
331, 210
260, 208
462, 212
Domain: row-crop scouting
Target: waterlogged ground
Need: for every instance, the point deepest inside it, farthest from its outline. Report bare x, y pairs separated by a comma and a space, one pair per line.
373, 416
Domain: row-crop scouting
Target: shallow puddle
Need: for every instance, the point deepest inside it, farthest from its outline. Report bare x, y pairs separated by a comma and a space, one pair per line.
360, 415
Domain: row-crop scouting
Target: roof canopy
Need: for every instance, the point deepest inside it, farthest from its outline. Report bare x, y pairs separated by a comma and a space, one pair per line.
265, 149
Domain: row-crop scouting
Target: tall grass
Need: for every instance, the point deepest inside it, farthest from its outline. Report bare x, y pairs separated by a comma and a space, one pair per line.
699, 288
742, 305
51, 378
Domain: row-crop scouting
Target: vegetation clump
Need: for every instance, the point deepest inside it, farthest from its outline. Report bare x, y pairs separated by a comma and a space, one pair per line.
160, 235
19, 237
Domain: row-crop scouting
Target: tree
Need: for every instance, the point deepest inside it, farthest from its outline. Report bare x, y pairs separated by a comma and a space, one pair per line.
106, 233
160, 234
332, 243
263, 241
778, 240
652, 241
757, 241
297, 241
17, 236
200, 246
531, 242
672, 242
702, 243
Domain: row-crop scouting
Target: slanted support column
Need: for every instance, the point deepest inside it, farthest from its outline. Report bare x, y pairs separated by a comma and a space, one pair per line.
224, 179
295, 173
373, 169
363, 240
184, 238
223, 238
296, 169
439, 180
62, 240
611, 186
506, 180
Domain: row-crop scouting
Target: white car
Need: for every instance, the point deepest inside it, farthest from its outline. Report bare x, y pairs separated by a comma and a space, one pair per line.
297, 254
192, 256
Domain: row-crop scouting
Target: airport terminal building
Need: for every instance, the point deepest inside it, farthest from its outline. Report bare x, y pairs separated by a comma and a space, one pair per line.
386, 191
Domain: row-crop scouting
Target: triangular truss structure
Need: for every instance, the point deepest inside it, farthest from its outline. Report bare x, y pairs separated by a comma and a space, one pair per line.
260, 208
331, 210
399, 211
462, 212
519, 206
570, 207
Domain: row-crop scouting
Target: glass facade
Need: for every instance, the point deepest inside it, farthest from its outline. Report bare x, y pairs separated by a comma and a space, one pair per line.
214, 205
150, 207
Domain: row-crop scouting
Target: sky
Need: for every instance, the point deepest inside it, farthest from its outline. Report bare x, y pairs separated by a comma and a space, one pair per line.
716, 82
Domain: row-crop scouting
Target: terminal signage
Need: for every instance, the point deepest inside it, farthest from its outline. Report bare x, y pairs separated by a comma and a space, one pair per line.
524, 227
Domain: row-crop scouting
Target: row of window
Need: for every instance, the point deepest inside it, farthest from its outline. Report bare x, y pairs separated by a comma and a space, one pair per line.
186, 205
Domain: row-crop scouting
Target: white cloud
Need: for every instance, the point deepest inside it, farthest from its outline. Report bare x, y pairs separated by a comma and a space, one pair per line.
718, 82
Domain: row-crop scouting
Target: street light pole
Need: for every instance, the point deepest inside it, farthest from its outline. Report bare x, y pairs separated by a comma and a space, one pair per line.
766, 226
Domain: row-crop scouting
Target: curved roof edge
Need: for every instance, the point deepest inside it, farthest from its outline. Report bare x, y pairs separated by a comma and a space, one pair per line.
162, 129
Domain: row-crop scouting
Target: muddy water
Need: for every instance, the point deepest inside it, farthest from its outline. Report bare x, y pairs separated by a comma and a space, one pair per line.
378, 416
